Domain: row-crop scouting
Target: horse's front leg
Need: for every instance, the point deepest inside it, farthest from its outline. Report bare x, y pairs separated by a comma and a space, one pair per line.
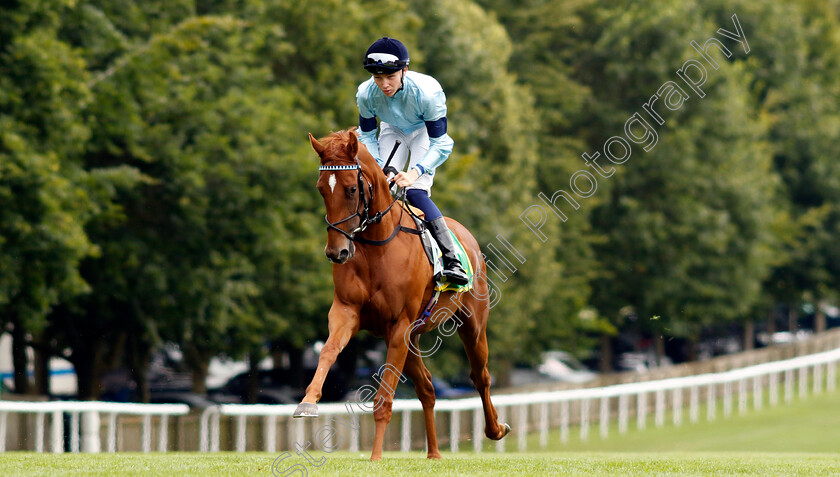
343, 324
390, 377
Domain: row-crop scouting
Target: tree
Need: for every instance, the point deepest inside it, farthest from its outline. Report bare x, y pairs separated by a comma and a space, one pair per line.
45, 203
197, 115
794, 68
689, 222
491, 178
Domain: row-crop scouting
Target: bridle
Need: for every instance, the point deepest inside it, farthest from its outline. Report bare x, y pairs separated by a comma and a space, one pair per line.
362, 207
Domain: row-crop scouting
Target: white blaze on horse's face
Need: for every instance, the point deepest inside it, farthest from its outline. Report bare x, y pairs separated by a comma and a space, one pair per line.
331, 182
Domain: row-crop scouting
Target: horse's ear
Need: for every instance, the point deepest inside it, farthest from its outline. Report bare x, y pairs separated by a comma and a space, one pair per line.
353, 144
319, 148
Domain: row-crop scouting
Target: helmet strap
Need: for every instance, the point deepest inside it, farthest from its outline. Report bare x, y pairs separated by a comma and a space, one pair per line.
402, 83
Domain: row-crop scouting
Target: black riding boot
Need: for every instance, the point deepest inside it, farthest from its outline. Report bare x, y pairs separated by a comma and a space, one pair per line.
452, 269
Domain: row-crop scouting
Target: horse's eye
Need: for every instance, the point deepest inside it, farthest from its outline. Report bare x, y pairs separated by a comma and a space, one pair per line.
351, 190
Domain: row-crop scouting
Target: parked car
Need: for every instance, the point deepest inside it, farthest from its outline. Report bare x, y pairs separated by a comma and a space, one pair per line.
195, 401
445, 390
273, 388
562, 366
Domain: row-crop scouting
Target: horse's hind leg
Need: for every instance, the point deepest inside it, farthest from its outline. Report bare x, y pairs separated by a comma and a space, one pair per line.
473, 333
384, 399
422, 379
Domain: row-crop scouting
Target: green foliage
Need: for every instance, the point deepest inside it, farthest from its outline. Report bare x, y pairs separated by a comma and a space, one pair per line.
497, 136
688, 221
156, 182
795, 69
43, 200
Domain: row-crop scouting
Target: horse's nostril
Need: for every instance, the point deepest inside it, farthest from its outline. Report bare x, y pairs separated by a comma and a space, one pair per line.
344, 255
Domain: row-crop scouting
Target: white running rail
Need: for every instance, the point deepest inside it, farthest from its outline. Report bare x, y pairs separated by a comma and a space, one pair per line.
542, 410
527, 412
88, 412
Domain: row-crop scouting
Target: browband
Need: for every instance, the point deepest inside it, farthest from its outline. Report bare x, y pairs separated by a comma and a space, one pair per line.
339, 168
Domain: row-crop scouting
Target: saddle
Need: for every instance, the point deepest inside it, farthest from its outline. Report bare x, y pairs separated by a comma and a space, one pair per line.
414, 211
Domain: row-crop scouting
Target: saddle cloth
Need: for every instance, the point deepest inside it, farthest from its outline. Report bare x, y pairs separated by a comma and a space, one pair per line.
435, 256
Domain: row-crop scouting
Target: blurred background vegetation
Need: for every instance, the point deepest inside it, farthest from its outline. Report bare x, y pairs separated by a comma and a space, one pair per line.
157, 185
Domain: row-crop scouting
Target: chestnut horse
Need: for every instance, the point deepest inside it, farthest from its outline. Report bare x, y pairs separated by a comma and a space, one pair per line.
382, 282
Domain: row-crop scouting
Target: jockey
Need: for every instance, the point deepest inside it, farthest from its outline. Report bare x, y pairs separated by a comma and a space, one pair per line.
412, 109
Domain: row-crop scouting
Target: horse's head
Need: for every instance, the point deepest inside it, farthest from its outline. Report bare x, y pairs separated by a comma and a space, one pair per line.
343, 182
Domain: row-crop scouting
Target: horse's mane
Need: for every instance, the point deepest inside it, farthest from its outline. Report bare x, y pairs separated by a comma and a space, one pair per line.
336, 147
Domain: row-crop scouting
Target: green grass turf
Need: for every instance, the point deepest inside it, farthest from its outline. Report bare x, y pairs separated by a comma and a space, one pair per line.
414, 463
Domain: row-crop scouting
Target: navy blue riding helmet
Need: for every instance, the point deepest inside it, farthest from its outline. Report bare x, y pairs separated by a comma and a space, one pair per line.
386, 56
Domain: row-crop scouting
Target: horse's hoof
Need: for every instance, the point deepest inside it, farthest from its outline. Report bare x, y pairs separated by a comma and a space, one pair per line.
306, 409
505, 428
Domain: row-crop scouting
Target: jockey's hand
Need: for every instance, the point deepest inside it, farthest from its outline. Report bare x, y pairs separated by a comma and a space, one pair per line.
405, 179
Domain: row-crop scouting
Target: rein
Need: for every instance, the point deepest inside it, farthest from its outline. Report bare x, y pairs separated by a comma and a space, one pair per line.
364, 204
